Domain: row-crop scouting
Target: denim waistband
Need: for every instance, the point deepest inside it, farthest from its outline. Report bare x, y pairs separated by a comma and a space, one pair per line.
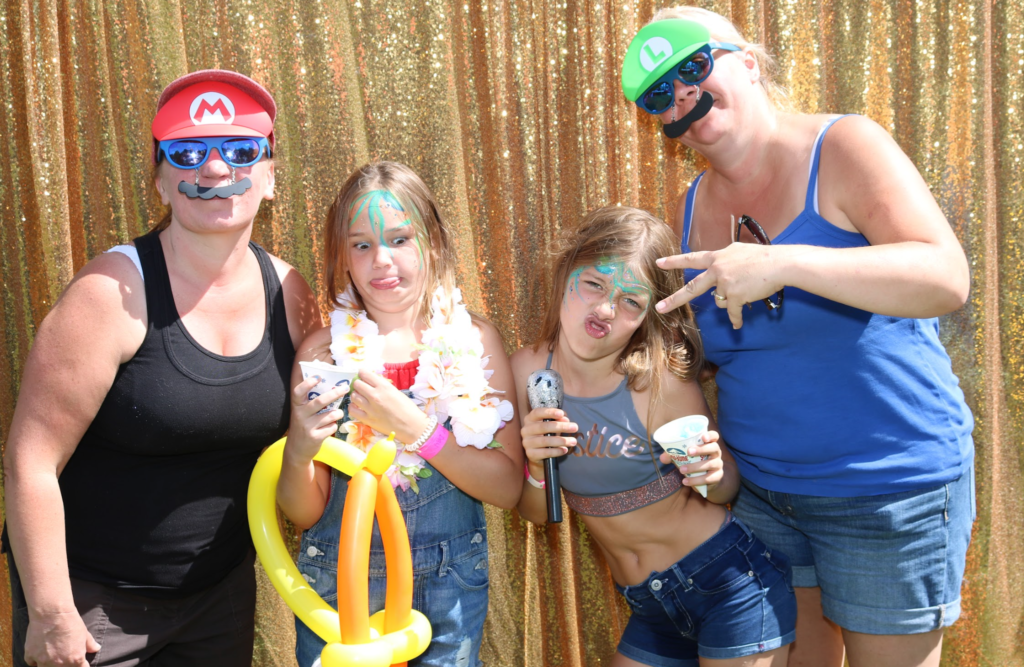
732, 533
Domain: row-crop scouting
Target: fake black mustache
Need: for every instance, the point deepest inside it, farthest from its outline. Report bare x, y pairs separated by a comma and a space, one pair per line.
193, 191
699, 110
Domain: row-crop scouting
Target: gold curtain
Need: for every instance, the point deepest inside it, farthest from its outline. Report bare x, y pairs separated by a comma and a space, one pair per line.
512, 113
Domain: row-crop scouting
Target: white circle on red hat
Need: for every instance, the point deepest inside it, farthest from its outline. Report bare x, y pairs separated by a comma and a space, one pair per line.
211, 109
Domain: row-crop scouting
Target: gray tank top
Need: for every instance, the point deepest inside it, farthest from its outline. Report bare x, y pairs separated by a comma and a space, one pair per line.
613, 454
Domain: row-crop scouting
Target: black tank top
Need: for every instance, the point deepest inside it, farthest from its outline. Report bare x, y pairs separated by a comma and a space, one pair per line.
155, 493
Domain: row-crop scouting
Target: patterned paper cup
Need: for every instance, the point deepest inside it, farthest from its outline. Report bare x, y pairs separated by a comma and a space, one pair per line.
676, 438
328, 377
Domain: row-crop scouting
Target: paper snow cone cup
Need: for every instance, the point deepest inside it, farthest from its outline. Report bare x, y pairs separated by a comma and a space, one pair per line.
676, 438
328, 377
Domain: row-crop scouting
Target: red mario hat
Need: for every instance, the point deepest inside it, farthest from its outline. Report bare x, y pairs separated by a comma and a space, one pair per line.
214, 103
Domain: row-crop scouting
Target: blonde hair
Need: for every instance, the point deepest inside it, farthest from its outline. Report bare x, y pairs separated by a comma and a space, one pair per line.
637, 239
417, 200
722, 29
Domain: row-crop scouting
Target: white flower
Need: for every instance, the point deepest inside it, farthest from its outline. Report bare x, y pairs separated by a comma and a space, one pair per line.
433, 380
474, 423
355, 341
504, 408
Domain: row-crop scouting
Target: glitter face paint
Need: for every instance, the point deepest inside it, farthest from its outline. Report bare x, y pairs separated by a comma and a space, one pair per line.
622, 281
371, 202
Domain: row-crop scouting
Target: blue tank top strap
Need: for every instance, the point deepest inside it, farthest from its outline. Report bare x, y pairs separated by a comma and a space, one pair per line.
547, 366
811, 200
691, 195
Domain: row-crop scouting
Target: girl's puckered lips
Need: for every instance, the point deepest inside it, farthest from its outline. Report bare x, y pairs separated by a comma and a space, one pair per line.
595, 327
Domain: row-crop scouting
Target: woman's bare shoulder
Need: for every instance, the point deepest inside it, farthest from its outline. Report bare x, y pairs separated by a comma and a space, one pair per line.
300, 303
109, 286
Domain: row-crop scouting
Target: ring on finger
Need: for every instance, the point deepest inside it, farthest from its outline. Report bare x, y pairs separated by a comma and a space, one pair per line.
718, 297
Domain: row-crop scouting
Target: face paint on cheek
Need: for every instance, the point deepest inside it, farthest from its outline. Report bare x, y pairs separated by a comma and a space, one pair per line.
419, 246
572, 286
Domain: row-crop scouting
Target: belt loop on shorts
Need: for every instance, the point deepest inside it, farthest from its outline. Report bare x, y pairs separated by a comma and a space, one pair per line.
742, 526
683, 580
625, 593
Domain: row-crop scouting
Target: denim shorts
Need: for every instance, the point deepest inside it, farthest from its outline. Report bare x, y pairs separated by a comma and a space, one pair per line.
728, 598
890, 564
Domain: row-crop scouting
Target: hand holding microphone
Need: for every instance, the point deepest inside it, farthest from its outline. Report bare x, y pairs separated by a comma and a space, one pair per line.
544, 390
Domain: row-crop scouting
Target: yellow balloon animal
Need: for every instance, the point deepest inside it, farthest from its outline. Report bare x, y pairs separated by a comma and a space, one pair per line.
393, 635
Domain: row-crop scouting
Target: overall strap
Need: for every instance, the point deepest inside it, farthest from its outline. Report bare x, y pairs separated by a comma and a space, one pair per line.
691, 195
811, 201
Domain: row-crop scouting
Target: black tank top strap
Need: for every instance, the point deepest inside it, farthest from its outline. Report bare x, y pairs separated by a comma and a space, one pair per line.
159, 300
278, 321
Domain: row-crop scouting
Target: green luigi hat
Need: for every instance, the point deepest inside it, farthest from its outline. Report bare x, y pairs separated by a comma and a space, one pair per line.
656, 49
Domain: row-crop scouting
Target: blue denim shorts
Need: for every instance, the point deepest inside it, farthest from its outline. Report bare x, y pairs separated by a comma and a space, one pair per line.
728, 598
890, 564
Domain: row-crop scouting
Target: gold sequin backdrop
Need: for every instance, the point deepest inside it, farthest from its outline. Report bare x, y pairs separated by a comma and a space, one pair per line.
512, 113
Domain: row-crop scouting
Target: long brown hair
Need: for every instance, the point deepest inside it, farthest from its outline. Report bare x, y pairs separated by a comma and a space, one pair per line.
637, 239
417, 200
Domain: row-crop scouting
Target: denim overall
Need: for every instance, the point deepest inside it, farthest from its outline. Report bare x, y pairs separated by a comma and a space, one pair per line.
448, 536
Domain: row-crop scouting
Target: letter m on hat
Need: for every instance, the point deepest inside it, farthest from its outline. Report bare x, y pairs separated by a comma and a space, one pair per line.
212, 108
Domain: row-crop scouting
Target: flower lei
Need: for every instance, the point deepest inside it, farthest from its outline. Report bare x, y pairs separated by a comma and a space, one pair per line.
451, 381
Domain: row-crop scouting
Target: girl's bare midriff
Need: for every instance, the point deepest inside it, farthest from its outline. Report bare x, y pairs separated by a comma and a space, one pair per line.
655, 537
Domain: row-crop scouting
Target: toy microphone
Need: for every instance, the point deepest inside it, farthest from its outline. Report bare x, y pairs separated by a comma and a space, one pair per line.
544, 389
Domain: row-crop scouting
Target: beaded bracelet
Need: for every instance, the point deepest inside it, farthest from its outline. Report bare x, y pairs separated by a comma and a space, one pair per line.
540, 484
434, 443
414, 447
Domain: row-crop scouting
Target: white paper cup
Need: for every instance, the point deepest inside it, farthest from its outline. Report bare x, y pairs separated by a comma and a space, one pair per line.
328, 377
676, 438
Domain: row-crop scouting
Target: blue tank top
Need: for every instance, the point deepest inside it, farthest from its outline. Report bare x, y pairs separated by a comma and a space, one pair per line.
819, 398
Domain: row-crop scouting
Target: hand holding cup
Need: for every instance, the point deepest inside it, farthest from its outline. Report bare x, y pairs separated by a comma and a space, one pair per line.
315, 409
681, 435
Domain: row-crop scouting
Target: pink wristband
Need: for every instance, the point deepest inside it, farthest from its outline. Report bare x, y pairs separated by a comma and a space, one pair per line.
540, 484
434, 443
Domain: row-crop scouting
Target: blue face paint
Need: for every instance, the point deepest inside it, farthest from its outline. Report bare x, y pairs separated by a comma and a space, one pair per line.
371, 202
622, 280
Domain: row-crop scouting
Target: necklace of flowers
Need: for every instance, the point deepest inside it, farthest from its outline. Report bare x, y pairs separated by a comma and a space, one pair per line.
450, 384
